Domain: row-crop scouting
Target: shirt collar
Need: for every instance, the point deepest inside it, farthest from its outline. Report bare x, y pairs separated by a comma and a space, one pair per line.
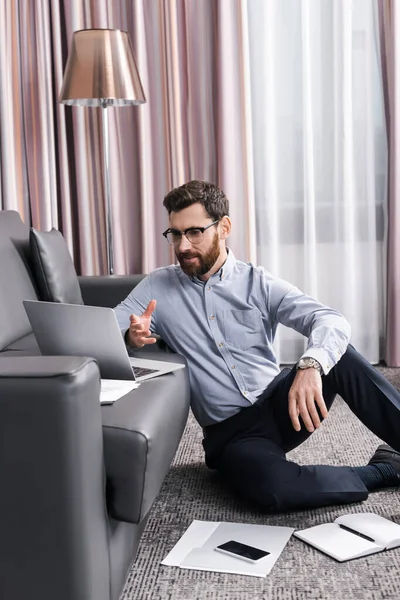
228, 265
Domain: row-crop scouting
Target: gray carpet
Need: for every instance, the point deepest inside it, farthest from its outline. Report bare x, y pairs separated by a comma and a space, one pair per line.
191, 491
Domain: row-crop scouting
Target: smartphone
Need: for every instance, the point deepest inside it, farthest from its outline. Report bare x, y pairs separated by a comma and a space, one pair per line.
243, 551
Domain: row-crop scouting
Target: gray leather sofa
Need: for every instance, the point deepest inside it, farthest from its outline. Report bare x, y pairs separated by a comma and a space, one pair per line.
78, 480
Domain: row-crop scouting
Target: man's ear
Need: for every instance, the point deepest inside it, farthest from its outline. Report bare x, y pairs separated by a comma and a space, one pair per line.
225, 227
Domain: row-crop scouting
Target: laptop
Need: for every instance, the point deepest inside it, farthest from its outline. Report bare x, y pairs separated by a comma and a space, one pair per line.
81, 330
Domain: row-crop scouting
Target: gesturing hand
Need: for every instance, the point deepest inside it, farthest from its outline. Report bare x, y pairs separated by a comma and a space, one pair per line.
139, 329
304, 395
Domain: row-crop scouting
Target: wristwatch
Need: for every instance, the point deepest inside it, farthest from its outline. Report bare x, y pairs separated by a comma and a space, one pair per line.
309, 363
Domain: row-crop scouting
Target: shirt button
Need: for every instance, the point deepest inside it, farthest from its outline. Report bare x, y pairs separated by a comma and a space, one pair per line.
212, 317
209, 288
244, 393
220, 344
233, 367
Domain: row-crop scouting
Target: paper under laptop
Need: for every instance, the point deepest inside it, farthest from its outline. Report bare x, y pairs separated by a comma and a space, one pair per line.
196, 548
112, 390
80, 330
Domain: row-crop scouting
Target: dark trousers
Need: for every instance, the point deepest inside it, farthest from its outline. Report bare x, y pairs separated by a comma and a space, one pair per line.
249, 448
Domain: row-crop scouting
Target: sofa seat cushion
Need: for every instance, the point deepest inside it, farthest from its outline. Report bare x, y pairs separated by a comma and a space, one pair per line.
25, 346
141, 433
54, 270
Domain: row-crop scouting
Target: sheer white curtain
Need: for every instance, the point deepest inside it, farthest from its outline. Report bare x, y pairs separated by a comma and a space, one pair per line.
320, 158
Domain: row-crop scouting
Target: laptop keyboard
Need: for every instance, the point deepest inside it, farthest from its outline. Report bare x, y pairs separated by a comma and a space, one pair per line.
140, 371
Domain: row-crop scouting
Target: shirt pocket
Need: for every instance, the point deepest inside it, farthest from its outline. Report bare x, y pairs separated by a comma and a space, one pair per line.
243, 329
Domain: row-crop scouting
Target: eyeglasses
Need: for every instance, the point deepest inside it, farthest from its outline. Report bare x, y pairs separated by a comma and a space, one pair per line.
193, 234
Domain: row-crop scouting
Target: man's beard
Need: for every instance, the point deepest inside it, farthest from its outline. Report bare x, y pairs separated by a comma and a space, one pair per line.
204, 263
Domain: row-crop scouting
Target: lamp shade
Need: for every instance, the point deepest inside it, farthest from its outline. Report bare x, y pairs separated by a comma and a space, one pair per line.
101, 70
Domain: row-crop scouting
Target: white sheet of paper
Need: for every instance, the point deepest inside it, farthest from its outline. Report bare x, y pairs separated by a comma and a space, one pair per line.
204, 559
196, 548
195, 535
112, 389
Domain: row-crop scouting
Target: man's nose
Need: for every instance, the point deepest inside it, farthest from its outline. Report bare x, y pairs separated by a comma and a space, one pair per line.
184, 244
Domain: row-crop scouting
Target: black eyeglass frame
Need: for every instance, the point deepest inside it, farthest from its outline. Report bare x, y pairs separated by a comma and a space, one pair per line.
181, 233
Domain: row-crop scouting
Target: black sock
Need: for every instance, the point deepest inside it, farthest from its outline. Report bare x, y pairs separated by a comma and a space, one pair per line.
377, 476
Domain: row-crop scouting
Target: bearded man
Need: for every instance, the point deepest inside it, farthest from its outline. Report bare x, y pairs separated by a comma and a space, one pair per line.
221, 314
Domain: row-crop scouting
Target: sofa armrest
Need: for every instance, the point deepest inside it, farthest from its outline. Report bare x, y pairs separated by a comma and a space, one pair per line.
107, 290
142, 431
52, 502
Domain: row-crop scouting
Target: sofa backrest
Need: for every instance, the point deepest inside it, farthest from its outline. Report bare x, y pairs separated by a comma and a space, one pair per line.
16, 280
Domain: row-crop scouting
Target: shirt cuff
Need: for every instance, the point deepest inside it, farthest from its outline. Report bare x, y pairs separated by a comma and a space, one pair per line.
124, 333
322, 357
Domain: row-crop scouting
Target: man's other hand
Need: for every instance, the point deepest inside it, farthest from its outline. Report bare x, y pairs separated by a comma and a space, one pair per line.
304, 396
139, 329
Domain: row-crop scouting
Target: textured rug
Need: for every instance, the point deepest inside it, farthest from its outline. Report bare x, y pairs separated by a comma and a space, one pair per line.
191, 491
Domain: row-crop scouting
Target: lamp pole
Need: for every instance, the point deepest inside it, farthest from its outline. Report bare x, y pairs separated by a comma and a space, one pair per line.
107, 190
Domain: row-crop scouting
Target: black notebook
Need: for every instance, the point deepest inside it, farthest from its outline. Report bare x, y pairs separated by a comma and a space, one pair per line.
352, 536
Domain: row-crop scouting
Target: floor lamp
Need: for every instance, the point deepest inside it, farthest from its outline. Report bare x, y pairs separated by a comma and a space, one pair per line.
101, 72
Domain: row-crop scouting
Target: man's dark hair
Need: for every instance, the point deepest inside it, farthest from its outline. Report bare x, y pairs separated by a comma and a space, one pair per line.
209, 195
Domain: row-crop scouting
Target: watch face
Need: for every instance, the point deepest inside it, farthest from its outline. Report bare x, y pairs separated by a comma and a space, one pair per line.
303, 362
306, 363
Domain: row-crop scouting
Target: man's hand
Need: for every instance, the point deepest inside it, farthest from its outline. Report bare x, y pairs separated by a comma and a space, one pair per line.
304, 395
139, 329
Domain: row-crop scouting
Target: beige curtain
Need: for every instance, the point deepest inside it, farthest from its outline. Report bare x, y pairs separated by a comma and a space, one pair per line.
389, 12
192, 58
